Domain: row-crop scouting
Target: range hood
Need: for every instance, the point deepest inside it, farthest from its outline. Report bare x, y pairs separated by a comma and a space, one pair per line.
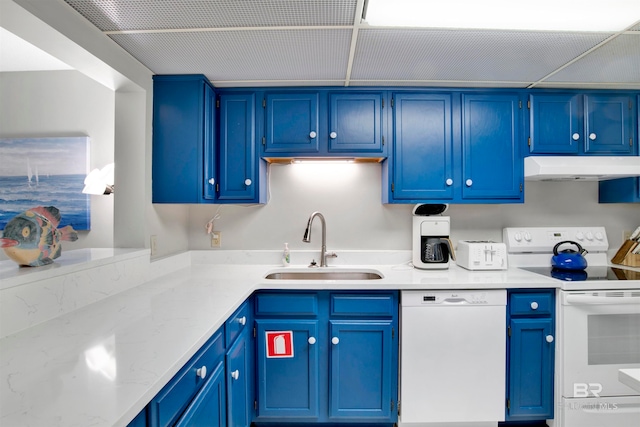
580, 168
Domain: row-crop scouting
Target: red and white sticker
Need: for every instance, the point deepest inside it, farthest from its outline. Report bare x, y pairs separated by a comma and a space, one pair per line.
279, 343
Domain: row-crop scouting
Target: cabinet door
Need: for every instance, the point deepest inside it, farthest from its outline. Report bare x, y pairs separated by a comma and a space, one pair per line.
492, 167
623, 190
556, 124
179, 116
288, 387
210, 175
292, 123
361, 356
423, 147
355, 122
608, 124
530, 379
208, 407
239, 381
237, 181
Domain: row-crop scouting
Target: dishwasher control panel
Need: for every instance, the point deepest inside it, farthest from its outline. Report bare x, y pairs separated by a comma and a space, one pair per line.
453, 298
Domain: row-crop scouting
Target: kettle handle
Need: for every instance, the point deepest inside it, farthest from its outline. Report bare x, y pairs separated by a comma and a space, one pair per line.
581, 251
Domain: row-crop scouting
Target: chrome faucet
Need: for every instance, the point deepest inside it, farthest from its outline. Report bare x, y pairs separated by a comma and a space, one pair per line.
307, 238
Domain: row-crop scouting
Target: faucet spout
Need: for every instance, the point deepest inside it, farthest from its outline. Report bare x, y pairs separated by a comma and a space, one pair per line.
307, 236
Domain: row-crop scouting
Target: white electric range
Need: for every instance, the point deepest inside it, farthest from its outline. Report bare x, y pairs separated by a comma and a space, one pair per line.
597, 327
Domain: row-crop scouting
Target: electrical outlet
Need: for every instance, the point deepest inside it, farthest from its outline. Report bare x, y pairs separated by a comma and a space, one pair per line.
153, 244
216, 239
626, 234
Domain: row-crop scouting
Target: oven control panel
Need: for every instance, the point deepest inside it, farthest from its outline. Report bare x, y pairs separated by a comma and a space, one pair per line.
543, 239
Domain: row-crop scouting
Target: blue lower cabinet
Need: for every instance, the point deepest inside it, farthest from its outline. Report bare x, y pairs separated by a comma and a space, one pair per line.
239, 382
288, 387
530, 355
173, 400
208, 409
343, 367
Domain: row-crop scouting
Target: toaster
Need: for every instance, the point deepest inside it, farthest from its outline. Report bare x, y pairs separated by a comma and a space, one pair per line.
481, 255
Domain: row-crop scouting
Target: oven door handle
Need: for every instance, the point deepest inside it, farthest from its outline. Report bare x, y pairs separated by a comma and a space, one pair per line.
592, 300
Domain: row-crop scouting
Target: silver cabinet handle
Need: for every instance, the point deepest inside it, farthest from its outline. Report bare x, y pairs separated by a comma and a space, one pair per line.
534, 305
212, 181
549, 338
592, 136
235, 374
312, 134
333, 135
311, 340
449, 182
242, 320
247, 182
469, 182
575, 136
335, 340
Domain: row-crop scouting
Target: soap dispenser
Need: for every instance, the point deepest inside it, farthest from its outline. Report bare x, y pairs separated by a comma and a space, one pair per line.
286, 256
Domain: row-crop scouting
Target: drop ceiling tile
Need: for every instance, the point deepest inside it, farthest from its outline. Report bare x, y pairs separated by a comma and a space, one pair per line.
120, 15
617, 61
253, 55
463, 55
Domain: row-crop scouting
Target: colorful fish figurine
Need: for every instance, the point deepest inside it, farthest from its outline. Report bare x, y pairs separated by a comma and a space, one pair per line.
33, 239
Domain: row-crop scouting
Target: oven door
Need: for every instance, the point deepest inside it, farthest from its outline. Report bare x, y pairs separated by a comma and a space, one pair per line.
601, 334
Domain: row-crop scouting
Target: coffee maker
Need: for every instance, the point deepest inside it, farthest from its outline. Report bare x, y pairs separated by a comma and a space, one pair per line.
432, 248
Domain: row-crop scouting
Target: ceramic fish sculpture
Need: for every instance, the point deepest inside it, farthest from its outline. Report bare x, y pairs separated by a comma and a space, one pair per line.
32, 238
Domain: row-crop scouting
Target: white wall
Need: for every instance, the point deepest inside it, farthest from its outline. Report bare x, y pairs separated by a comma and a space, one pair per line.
64, 103
349, 197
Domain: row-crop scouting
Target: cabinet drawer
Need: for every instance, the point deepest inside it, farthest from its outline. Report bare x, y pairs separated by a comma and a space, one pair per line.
176, 395
302, 304
531, 303
363, 305
237, 323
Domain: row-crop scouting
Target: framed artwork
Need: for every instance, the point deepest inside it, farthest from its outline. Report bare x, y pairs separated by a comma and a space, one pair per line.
45, 172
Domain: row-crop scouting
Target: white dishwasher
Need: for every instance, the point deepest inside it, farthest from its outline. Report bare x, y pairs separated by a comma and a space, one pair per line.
452, 357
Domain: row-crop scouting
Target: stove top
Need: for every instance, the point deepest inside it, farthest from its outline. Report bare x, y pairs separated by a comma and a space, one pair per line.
597, 273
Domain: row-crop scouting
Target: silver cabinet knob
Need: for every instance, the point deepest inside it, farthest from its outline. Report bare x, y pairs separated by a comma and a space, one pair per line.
549, 338
534, 305
592, 136
247, 182
575, 136
312, 134
242, 320
311, 340
335, 340
469, 182
235, 374
333, 135
449, 181
202, 372
212, 181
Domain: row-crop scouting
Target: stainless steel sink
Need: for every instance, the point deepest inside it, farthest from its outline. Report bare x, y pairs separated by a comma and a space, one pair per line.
320, 274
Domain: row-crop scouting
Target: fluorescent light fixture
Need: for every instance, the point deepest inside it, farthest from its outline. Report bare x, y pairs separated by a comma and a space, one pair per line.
545, 15
322, 160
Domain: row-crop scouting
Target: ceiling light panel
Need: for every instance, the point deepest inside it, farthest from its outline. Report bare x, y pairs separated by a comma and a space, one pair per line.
465, 55
617, 61
122, 15
254, 55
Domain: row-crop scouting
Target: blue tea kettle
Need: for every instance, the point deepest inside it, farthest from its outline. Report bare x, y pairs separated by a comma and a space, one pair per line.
569, 259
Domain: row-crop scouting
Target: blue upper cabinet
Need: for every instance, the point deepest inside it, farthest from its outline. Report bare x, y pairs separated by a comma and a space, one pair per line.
422, 165
355, 122
292, 123
183, 127
323, 123
492, 167
608, 124
556, 126
591, 124
238, 171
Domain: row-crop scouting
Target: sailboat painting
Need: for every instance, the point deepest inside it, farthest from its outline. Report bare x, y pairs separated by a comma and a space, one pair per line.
45, 172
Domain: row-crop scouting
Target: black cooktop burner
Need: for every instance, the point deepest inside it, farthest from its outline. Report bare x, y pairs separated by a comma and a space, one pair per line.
591, 273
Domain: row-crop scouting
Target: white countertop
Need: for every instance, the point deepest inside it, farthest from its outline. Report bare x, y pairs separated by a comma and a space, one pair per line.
145, 334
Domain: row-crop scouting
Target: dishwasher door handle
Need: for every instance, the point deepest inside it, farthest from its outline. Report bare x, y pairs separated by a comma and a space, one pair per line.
456, 301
